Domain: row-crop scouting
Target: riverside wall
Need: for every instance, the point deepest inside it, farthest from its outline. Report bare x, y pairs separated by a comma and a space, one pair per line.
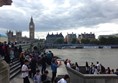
61, 70
77, 77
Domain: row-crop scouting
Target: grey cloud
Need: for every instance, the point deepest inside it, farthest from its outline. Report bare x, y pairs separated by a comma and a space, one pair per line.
92, 13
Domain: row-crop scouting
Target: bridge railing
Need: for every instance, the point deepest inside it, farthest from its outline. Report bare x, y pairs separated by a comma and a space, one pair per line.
77, 77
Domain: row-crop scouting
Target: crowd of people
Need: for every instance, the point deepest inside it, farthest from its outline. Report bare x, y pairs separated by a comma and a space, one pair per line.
34, 65
92, 68
32, 60
8, 52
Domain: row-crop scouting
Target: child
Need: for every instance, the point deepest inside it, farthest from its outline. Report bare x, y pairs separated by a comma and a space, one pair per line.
44, 77
37, 77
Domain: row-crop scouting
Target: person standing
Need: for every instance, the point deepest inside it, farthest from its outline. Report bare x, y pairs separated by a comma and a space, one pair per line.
19, 50
22, 58
11, 54
25, 71
54, 66
43, 63
33, 66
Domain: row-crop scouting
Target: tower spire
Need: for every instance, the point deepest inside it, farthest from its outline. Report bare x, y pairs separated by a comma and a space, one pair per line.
31, 28
31, 21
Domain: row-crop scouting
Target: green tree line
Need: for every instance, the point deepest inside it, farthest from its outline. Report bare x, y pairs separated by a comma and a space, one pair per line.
111, 40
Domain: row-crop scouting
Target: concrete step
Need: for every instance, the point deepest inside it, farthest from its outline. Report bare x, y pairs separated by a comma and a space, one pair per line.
15, 68
14, 62
14, 74
15, 65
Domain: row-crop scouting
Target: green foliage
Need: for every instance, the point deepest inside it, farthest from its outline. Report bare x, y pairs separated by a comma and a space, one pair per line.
74, 41
85, 41
59, 41
94, 41
111, 40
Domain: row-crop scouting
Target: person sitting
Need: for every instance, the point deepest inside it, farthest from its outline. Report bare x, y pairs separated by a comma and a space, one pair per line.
77, 66
116, 72
44, 77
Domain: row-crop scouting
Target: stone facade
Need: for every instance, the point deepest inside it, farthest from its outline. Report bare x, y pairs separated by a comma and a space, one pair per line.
52, 38
31, 29
70, 37
18, 37
86, 36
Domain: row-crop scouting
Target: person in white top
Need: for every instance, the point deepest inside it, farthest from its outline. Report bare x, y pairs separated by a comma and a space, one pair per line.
96, 71
68, 64
25, 72
98, 67
64, 80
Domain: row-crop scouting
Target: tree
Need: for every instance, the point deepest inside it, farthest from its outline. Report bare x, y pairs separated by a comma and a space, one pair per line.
111, 40
59, 41
74, 41
103, 40
94, 41
85, 41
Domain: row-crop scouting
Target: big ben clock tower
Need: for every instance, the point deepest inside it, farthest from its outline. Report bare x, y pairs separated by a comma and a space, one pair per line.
31, 29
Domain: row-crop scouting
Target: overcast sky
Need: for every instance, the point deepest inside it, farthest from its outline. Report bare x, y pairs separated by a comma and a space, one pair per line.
66, 16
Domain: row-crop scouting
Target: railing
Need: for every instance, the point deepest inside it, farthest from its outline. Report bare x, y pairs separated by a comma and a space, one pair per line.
77, 77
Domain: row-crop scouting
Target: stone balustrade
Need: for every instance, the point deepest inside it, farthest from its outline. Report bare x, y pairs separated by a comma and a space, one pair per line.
4, 72
77, 77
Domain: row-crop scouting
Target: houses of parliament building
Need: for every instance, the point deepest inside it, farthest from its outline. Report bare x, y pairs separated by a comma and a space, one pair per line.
18, 37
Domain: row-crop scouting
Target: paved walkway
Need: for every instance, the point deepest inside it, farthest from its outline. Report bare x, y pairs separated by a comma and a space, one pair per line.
19, 79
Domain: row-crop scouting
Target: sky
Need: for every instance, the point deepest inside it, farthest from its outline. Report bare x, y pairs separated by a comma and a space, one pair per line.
55, 16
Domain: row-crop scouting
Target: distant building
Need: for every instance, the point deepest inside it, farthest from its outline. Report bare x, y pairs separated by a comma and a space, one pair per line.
70, 37
31, 29
18, 37
86, 36
52, 38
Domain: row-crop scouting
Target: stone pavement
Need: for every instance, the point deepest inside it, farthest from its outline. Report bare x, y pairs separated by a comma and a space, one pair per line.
61, 71
19, 79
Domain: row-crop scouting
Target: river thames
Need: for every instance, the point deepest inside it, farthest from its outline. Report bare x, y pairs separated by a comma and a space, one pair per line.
107, 57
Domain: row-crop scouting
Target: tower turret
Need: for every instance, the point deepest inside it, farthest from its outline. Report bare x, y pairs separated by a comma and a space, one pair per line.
31, 29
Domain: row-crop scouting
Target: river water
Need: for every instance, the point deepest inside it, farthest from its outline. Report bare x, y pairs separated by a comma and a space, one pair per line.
107, 57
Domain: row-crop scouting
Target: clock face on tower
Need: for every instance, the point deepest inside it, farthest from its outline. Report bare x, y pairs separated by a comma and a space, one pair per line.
31, 26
